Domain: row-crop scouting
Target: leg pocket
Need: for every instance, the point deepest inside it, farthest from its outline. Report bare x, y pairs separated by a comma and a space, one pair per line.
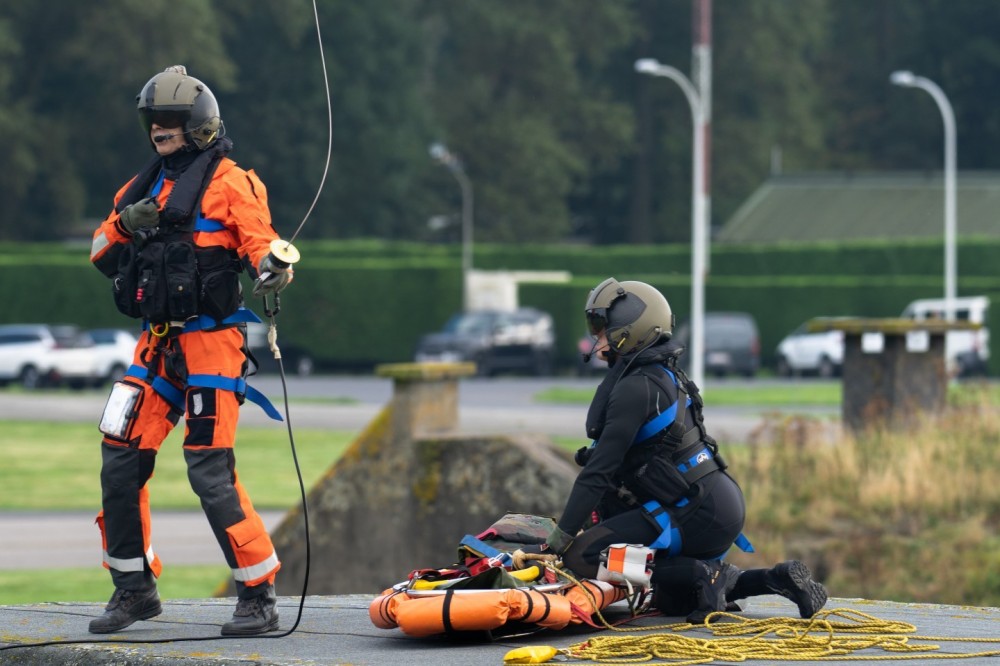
256, 560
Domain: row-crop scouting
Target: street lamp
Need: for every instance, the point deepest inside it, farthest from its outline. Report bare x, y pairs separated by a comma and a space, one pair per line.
446, 158
908, 79
699, 209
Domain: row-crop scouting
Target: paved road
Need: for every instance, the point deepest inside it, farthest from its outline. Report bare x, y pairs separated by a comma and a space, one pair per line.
349, 403
336, 403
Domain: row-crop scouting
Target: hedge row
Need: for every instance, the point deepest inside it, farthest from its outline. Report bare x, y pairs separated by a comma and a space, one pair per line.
358, 303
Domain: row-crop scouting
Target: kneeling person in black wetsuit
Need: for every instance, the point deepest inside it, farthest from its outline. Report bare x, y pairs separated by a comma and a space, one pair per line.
654, 476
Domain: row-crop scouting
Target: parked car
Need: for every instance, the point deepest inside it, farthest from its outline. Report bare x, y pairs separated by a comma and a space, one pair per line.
732, 344
26, 354
802, 352
37, 355
294, 359
495, 341
966, 352
113, 353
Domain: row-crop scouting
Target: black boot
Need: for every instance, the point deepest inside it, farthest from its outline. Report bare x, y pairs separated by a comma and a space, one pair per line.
254, 615
713, 580
793, 580
126, 607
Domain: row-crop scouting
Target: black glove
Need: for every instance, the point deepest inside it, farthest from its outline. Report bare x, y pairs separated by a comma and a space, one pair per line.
141, 214
583, 455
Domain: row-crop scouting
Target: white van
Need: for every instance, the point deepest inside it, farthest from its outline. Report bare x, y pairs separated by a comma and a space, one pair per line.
966, 351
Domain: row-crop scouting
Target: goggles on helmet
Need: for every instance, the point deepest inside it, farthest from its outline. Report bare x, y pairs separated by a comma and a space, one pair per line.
599, 303
165, 119
597, 321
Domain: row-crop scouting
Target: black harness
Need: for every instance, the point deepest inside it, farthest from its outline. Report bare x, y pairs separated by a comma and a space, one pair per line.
161, 275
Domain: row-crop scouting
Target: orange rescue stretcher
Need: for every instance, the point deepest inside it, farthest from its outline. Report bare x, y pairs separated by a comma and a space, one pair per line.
484, 594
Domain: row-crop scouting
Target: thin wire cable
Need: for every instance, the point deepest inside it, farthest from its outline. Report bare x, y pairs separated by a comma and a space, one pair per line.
329, 128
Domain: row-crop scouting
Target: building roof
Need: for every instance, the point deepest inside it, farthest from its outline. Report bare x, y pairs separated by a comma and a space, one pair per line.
834, 207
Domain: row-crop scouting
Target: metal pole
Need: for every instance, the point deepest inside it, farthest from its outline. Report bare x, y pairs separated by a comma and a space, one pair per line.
701, 73
466, 186
445, 157
908, 79
698, 212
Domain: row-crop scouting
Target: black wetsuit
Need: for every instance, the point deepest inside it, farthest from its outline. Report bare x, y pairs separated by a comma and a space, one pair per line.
636, 390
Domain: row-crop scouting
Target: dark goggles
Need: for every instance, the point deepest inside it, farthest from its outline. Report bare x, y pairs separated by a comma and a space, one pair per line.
165, 119
597, 321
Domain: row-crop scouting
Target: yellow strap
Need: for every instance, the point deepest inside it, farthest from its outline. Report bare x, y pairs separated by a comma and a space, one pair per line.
536, 654
529, 574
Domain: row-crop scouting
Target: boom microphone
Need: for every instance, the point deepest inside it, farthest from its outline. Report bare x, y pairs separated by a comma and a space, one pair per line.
160, 138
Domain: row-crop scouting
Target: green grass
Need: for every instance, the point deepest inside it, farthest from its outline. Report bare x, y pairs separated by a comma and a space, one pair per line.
753, 395
32, 586
57, 466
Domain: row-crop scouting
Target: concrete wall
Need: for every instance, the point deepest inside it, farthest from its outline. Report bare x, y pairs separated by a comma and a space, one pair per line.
407, 490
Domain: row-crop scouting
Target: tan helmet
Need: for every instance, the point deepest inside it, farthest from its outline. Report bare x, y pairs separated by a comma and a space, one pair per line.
174, 97
632, 314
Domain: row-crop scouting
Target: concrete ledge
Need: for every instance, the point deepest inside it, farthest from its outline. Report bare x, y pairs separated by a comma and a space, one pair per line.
425, 371
336, 630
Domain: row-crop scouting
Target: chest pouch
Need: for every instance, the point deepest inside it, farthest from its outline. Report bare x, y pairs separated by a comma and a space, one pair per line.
220, 282
124, 282
121, 410
659, 479
167, 281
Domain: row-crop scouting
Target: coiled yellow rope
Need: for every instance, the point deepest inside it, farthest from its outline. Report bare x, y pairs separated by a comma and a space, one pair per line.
775, 639
837, 634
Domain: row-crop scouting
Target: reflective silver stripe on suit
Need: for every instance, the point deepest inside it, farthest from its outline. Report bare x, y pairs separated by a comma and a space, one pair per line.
260, 570
131, 564
100, 242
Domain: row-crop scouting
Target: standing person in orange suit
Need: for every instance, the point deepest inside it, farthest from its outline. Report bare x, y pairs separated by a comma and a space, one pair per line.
180, 233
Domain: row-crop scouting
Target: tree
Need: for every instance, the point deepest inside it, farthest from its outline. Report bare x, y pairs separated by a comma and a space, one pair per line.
375, 63
69, 79
521, 91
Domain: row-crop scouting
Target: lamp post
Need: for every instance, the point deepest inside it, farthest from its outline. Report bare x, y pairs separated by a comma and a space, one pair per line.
699, 210
908, 79
446, 158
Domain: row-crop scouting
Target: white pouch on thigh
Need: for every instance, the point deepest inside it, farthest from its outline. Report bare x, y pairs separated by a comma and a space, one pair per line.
121, 410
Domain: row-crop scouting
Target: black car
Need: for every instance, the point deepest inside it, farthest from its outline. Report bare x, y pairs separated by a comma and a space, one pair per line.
519, 340
732, 344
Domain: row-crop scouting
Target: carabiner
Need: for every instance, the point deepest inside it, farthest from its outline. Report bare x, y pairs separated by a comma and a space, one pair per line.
159, 334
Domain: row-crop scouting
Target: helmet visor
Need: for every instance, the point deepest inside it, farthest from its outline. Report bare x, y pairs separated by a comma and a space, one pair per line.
597, 321
165, 119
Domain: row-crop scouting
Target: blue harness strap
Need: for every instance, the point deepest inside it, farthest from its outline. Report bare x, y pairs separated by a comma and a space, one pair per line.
236, 385
175, 396
661, 420
167, 391
201, 322
481, 547
201, 223
670, 536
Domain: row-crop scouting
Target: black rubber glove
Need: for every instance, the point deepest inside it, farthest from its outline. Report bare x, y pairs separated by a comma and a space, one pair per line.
582, 455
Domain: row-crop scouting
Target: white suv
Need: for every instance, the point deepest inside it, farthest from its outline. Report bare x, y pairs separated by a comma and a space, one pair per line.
26, 354
113, 353
966, 352
37, 355
802, 352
